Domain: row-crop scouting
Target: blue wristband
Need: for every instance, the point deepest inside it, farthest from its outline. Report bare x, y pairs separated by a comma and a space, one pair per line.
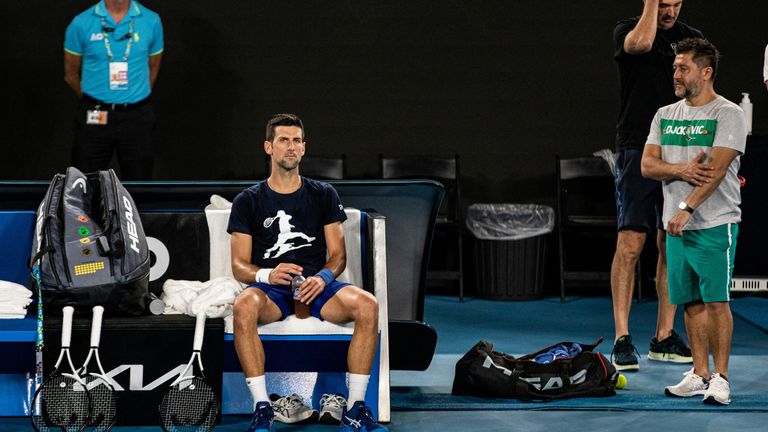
326, 275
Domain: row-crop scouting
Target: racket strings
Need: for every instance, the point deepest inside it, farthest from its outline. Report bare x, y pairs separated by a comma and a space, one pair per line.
64, 405
103, 404
190, 405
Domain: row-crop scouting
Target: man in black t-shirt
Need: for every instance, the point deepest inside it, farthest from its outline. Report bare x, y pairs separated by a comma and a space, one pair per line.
644, 55
282, 227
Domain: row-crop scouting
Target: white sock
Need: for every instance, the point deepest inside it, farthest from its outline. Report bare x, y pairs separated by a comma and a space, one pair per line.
258, 387
358, 384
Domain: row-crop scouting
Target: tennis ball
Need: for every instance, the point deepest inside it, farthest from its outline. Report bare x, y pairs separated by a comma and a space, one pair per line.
621, 381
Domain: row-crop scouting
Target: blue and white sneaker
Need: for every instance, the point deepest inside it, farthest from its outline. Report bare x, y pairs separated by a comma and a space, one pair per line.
263, 418
359, 419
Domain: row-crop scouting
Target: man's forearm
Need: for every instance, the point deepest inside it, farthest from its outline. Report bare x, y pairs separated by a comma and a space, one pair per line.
244, 272
336, 264
657, 169
74, 82
640, 39
701, 193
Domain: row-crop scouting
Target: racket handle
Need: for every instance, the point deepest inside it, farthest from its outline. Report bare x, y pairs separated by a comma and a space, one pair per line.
199, 331
66, 326
98, 312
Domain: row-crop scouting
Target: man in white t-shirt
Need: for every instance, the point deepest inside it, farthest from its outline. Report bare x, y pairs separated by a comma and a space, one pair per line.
694, 148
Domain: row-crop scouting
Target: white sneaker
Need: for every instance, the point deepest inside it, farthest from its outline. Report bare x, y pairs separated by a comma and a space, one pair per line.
691, 385
292, 409
718, 392
331, 408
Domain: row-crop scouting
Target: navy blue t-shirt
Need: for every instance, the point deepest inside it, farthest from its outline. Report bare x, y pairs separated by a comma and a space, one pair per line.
287, 228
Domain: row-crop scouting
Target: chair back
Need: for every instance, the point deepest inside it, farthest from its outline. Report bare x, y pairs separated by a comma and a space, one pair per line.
439, 168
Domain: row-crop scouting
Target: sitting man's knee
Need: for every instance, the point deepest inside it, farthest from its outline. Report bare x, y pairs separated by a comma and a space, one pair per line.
246, 304
367, 305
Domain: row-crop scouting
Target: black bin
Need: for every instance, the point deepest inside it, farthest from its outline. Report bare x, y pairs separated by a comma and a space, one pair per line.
510, 249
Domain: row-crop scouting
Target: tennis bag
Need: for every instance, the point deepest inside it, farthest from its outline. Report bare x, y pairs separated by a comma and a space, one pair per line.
485, 373
90, 245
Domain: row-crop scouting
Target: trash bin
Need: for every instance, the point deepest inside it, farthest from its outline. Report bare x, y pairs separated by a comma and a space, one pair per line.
510, 249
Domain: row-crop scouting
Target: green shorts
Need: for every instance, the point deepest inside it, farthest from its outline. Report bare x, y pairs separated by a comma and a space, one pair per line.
700, 264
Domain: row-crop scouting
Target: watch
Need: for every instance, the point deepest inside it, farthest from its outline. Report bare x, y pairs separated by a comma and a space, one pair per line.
684, 206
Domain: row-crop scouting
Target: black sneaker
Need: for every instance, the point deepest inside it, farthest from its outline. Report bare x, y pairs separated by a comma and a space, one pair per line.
672, 349
624, 354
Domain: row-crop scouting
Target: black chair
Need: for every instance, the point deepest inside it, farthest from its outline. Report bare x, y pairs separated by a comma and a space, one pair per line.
446, 171
320, 167
586, 221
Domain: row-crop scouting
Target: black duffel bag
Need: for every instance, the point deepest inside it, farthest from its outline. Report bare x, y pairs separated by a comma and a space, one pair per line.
486, 373
89, 245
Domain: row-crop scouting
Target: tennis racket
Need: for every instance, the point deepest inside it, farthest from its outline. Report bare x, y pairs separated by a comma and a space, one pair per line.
63, 401
103, 398
189, 404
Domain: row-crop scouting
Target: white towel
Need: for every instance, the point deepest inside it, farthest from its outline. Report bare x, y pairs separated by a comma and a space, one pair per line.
12, 289
215, 296
14, 299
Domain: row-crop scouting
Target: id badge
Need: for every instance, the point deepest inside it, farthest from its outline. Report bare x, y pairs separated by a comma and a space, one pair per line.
118, 75
96, 117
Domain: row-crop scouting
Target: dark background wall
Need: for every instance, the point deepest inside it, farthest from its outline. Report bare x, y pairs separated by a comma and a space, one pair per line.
505, 84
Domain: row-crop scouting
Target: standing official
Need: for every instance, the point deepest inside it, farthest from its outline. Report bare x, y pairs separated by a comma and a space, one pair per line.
643, 53
112, 54
694, 147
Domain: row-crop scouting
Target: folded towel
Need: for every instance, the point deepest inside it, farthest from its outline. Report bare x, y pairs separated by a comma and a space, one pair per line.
8, 288
5, 308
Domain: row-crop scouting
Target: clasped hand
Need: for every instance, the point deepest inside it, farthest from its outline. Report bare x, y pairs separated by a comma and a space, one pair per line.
284, 273
696, 172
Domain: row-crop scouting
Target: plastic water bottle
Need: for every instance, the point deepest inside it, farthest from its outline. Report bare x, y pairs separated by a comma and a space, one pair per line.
746, 106
301, 309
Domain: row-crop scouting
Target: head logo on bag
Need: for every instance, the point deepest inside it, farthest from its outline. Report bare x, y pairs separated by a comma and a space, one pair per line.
90, 245
130, 225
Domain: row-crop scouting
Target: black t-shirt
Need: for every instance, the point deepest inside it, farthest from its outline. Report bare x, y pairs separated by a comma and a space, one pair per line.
287, 228
646, 80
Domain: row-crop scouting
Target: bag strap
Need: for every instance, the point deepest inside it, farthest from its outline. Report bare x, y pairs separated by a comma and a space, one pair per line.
106, 246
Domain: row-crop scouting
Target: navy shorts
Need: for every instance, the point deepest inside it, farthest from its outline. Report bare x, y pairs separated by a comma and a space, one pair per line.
283, 297
639, 200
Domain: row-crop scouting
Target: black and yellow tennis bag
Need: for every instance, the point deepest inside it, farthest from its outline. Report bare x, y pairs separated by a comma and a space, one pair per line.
90, 246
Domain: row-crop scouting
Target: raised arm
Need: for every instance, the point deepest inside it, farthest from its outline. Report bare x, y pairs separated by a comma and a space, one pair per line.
640, 39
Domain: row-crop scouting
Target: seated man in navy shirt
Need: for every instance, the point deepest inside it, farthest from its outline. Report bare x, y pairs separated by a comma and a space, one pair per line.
283, 227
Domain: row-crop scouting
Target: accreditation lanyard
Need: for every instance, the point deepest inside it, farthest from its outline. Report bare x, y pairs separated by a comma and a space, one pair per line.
108, 45
118, 70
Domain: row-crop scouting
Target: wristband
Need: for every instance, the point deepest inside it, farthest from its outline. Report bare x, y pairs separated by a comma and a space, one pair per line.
262, 275
326, 275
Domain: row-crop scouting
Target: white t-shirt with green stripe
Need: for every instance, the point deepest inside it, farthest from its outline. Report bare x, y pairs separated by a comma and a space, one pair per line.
682, 131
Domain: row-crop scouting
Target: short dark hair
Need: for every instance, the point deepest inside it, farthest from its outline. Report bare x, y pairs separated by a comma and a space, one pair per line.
283, 120
703, 51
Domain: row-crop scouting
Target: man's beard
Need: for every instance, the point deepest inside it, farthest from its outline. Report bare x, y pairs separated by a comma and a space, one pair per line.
688, 92
288, 165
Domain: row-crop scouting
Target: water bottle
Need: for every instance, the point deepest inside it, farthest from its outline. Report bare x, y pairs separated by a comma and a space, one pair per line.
746, 106
301, 309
